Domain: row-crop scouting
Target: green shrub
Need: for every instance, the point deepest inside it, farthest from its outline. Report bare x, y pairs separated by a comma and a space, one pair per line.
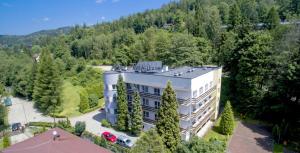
227, 120
84, 102
6, 141
93, 100
79, 128
42, 124
64, 124
105, 123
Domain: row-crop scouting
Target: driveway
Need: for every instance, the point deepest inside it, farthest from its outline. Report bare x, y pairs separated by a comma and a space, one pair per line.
93, 124
23, 111
250, 138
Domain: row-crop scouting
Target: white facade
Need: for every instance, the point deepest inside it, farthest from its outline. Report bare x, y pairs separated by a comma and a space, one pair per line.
197, 91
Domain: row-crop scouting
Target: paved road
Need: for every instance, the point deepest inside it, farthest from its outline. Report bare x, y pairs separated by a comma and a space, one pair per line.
93, 124
23, 111
250, 138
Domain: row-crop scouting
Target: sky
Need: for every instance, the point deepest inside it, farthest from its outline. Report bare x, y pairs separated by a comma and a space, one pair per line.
21, 17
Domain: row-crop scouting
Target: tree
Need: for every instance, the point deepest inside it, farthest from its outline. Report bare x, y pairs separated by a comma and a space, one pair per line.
47, 85
168, 119
79, 128
227, 120
31, 78
136, 115
235, 17
6, 141
122, 105
84, 101
2, 90
272, 20
150, 142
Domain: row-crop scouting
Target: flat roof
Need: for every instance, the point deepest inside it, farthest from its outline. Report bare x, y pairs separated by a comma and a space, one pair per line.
44, 143
188, 72
180, 72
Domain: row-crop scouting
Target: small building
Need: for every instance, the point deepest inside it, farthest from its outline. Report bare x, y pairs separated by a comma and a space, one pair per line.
7, 101
55, 140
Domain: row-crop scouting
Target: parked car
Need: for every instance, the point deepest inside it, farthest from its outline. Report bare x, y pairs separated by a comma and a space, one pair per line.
124, 141
16, 126
109, 137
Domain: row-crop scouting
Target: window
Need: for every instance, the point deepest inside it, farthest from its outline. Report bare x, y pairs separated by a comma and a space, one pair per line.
129, 109
145, 101
156, 91
115, 111
146, 114
210, 84
200, 90
114, 87
129, 98
200, 104
114, 98
194, 93
199, 117
157, 104
128, 86
206, 87
144, 88
193, 122
194, 108
137, 87
156, 116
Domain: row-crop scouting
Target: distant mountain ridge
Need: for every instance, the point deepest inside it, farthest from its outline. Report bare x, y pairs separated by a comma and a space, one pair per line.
9, 40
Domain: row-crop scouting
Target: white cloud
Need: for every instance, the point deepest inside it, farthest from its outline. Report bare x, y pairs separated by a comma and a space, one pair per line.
115, 1
46, 19
102, 18
99, 1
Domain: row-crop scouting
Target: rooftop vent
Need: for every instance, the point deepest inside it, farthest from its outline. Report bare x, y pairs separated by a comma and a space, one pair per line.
180, 73
175, 74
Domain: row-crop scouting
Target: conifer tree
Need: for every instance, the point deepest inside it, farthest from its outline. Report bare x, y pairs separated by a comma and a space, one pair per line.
136, 116
47, 85
227, 120
168, 119
272, 19
84, 101
31, 78
150, 142
122, 106
235, 17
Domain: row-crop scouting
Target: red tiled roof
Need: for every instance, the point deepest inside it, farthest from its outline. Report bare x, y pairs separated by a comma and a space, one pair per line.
66, 143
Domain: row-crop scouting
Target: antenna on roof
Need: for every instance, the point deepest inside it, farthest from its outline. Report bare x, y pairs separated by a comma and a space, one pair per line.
55, 135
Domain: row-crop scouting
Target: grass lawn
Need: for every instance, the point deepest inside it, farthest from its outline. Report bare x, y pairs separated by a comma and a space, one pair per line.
215, 134
278, 148
1, 143
70, 99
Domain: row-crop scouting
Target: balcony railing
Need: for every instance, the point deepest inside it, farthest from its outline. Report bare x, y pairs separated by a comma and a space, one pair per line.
197, 99
150, 121
210, 103
203, 121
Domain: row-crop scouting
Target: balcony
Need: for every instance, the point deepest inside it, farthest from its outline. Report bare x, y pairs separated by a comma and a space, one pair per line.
195, 100
203, 121
209, 103
150, 121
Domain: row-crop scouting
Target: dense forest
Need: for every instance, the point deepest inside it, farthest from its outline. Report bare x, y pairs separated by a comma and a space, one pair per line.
256, 41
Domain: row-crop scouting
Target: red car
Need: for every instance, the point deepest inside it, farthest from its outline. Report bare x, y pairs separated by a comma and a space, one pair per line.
110, 137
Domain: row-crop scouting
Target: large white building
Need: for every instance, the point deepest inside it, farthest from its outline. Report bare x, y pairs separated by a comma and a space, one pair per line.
197, 91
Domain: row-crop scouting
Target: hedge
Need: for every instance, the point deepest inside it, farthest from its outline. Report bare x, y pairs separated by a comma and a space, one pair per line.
91, 109
42, 124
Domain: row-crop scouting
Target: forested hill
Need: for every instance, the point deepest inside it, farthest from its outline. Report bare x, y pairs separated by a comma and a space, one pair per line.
28, 40
262, 63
